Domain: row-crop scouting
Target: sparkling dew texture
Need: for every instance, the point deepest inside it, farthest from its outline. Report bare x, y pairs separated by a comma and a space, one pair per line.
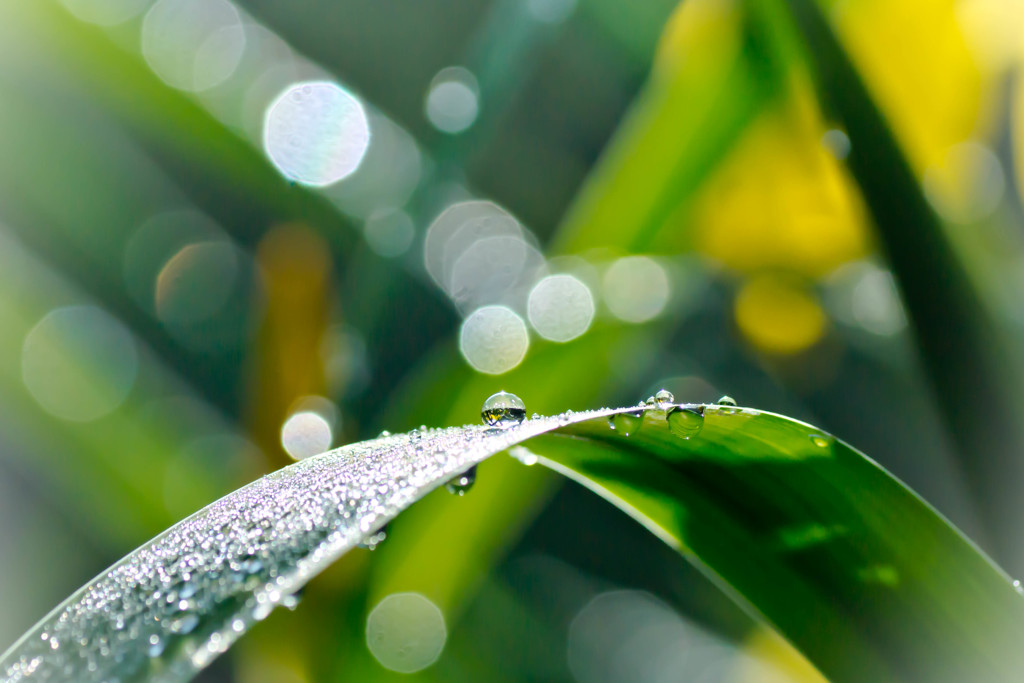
169, 608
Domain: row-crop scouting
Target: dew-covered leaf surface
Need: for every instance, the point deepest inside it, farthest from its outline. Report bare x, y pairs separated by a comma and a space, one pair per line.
863, 577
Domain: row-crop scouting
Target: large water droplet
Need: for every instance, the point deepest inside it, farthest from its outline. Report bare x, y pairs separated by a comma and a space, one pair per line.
462, 483
727, 401
685, 423
628, 423
503, 410
664, 396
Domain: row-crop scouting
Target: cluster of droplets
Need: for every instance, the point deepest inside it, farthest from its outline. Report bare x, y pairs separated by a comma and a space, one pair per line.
168, 609
683, 421
500, 411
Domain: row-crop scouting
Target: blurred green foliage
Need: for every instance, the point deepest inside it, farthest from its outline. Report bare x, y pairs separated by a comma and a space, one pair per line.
784, 162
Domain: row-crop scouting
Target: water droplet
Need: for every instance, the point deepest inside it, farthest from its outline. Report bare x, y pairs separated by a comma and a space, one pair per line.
649, 401
462, 483
685, 423
820, 440
664, 396
628, 423
535, 416
611, 422
373, 540
383, 434
292, 600
1017, 587
727, 401
503, 410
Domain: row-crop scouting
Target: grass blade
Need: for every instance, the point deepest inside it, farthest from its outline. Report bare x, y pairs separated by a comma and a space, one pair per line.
853, 568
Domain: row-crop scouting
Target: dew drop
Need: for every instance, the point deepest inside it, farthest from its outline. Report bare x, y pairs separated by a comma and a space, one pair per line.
685, 423
627, 423
611, 422
535, 416
649, 401
503, 410
1017, 587
820, 440
727, 401
292, 600
664, 396
462, 483
373, 540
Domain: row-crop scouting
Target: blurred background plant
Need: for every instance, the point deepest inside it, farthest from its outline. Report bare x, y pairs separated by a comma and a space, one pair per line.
234, 234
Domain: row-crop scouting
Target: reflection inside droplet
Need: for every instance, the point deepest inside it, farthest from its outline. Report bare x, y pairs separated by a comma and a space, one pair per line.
685, 423
503, 410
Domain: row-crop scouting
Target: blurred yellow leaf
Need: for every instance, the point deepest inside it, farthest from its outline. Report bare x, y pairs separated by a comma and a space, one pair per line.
782, 200
917, 60
777, 315
286, 363
698, 30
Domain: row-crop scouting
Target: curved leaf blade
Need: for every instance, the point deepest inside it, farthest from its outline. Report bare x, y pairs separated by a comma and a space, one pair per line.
860, 574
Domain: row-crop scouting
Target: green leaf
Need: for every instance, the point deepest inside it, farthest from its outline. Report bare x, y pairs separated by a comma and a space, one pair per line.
943, 303
854, 569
